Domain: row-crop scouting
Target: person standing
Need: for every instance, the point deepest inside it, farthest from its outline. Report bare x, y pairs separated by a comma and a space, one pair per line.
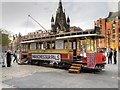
109, 54
8, 58
3, 58
15, 57
114, 56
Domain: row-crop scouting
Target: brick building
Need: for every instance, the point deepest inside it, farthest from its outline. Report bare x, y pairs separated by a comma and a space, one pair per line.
110, 27
15, 44
75, 29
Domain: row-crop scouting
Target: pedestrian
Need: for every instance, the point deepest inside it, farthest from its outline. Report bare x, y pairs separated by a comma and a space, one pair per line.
15, 57
3, 58
8, 58
110, 54
114, 56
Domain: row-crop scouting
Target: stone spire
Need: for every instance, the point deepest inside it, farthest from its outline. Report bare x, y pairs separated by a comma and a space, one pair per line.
52, 19
68, 20
60, 8
60, 23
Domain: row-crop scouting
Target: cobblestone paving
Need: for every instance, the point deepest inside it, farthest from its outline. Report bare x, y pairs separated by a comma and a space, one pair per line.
19, 71
16, 71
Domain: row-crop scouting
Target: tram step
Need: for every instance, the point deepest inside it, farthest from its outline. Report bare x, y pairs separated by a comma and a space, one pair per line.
74, 67
74, 71
78, 65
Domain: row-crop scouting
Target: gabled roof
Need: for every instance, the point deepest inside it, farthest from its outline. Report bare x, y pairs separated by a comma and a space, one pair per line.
112, 15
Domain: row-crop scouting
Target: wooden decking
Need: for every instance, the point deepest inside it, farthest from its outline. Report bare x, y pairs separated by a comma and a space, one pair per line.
75, 68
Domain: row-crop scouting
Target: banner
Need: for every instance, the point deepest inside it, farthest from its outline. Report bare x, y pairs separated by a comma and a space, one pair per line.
51, 57
91, 60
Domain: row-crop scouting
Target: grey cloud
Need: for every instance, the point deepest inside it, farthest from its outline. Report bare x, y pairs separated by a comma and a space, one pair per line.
29, 24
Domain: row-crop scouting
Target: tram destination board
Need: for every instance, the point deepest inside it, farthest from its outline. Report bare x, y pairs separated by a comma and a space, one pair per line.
49, 57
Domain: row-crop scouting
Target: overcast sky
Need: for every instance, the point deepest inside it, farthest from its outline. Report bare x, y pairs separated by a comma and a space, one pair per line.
82, 14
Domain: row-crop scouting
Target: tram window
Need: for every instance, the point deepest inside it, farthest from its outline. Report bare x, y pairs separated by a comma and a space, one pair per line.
53, 45
44, 45
28, 46
83, 45
38, 46
65, 44
78, 44
74, 45
24, 47
48, 45
32, 46
70, 45
59, 44
90, 44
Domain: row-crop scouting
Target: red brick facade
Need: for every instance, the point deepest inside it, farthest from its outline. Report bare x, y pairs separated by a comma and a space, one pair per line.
110, 27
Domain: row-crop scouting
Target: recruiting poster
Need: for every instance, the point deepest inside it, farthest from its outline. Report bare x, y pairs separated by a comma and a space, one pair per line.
91, 60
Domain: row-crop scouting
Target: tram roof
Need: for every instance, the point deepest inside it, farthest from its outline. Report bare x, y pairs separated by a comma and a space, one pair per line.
96, 36
30, 41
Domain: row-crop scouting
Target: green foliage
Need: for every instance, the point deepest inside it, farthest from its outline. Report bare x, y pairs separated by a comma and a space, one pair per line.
4, 38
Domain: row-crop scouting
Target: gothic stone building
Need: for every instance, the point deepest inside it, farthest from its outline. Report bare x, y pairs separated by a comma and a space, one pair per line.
60, 24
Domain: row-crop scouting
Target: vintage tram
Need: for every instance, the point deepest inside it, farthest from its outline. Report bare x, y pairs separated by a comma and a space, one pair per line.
64, 49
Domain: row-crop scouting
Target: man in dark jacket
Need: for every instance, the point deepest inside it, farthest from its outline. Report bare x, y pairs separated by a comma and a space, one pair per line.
109, 54
115, 55
8, 58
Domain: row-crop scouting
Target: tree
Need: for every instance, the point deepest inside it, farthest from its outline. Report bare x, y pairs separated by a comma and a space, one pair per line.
4, 37
5, 40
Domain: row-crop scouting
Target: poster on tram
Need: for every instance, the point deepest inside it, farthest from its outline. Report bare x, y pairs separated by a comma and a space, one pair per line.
91, 60
49, 57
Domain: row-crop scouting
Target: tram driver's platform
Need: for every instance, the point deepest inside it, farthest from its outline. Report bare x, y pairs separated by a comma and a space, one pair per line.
98, 62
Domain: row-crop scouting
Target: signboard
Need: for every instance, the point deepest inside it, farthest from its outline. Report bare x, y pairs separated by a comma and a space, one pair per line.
91, 60
59, 44
51, 57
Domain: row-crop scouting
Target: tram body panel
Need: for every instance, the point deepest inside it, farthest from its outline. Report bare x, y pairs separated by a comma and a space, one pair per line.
98, 62
100, 58
65, 55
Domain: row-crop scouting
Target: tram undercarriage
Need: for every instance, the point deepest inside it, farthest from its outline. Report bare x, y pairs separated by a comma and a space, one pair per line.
65, 64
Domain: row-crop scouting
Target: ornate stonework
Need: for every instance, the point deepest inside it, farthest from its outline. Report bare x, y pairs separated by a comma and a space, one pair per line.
60, 24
